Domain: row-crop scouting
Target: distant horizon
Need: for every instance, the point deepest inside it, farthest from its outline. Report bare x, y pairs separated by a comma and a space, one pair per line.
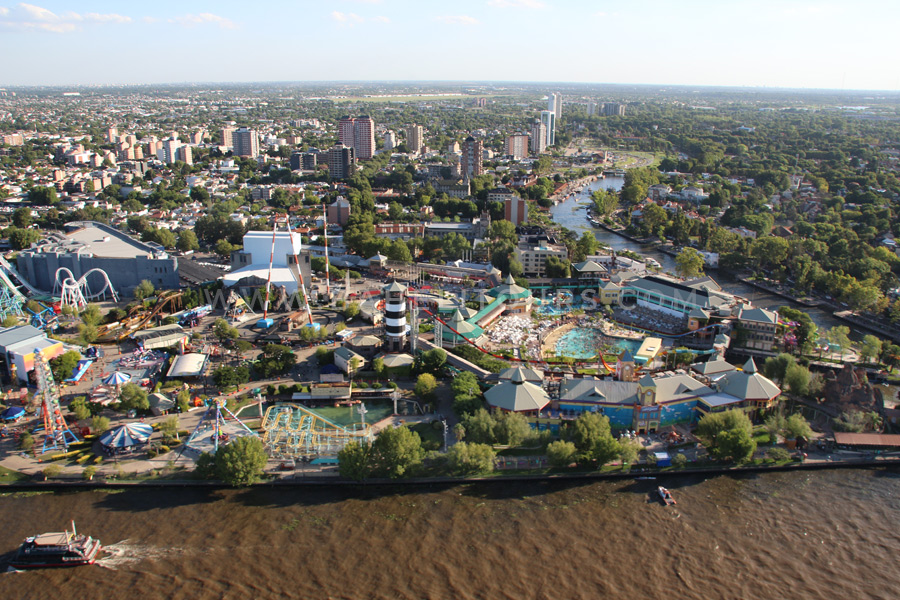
766, 44
549, 85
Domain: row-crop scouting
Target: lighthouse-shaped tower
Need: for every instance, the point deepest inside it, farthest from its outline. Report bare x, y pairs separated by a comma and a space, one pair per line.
395, 328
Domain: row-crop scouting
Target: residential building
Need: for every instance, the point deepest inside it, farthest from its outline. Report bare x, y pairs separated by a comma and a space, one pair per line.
339, 212
348, 361
454, 189
533, 252
358, 133
612, 109
538, 137
517, 146
245, 142
341, 161
415, 138
554, 104
471, 163
515, 208
390, 140
759, 326
228, 136
548, 118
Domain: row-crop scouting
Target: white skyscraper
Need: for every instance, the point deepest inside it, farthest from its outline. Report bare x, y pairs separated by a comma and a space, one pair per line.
555, 104
548, 118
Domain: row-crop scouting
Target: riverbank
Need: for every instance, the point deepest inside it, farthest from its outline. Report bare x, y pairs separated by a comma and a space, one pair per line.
502, 477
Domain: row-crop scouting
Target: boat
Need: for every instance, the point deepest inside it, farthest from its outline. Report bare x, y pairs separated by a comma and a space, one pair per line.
666, 496
67, 549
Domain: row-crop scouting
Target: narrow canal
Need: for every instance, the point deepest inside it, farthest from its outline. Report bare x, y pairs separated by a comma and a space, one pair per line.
572, 214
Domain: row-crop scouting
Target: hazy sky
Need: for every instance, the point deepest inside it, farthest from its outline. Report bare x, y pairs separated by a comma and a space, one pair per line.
783, 43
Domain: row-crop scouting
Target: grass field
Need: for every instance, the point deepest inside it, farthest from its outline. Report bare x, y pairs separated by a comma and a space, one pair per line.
10, 476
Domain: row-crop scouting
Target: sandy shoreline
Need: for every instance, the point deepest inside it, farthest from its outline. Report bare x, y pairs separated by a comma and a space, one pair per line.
549, 344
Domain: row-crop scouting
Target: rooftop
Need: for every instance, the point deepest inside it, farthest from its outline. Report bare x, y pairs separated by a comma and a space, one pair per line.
98, 240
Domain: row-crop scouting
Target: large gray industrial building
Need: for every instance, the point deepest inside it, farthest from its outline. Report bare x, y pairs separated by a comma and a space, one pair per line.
89, 245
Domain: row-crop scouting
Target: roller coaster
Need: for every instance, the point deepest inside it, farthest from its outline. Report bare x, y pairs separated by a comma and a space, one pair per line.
139, 317
294, 431
77, 292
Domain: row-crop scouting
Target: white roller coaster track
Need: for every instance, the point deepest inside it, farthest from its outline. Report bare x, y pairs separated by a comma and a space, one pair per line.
6, 270
78, 292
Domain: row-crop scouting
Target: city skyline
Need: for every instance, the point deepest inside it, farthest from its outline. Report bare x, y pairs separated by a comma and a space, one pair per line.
763, 43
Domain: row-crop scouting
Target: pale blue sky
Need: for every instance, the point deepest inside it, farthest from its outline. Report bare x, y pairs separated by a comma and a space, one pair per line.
782, 43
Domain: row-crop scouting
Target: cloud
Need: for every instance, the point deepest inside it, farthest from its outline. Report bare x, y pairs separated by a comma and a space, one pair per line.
28, 17
381, 19
150, 20
516, 4
458, 20
346, 17
599, 14
204, 19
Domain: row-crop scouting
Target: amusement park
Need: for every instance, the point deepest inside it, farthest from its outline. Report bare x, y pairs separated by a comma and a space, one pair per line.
308, 369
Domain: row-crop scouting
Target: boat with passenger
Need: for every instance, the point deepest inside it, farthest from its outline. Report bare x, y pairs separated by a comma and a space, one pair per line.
66, 549
666, 496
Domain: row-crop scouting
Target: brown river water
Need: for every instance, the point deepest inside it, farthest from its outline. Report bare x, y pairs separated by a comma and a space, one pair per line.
830, 534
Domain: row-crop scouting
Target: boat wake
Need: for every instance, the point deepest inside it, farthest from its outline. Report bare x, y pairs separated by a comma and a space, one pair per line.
128, 552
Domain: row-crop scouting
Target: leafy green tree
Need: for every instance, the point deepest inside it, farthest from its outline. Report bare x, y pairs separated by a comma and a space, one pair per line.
169, 428
275, 360
711, 426
22, 217
224, 331
776, 367
91, 315
470, 459
629, 451
689, 263
241, 462
588, 428
511, 428
351, 310
355, 461
605, 449
183, 399
425, 386
397, 451
43, 196
378, 366
21, 239
187, 241
561, 453
735, 444
479, 427
797, 380
679, 461
224, 248
79, 407
433, 360
839, 335
64, 365
87, 333
796, 427
870, 348
99, 424
133, 397
143, 290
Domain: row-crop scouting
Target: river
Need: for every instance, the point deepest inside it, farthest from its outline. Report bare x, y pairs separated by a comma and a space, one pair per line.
572, 214
827, 534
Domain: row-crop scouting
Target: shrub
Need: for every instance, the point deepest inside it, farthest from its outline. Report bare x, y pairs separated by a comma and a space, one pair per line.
679, 461
778, 454
51, 471
89, 472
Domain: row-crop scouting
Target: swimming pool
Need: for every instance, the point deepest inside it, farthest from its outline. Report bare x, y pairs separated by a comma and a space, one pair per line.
583, 343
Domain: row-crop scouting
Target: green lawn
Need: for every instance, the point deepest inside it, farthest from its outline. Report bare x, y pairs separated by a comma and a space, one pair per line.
345, 415
10, 476
432, 439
